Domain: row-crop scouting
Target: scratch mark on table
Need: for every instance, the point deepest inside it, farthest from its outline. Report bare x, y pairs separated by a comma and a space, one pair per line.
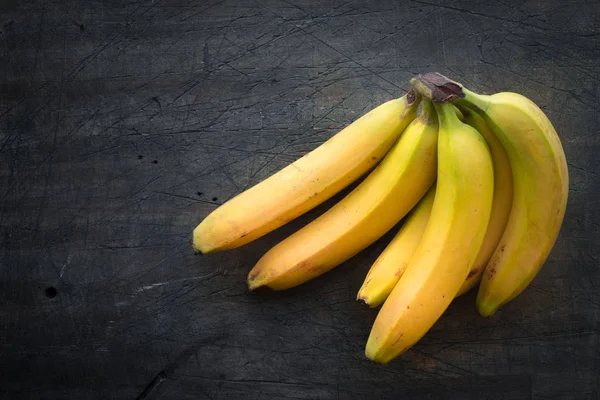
158, 284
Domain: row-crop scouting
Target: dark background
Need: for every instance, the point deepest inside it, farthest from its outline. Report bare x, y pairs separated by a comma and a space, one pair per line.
124, 123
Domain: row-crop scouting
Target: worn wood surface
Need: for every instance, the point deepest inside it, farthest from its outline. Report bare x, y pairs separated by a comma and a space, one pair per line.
124, 123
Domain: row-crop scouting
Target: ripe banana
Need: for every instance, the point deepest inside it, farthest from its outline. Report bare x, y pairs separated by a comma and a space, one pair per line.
391, 263
501, 203
387, 194
308, 181
450, 243
541, 187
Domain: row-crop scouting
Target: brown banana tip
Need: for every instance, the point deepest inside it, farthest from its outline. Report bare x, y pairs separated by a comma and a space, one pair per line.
261, 289
252, 282
411, 96
363, 301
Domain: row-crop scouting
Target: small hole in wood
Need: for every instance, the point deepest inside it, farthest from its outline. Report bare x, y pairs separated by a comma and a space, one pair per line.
50, 292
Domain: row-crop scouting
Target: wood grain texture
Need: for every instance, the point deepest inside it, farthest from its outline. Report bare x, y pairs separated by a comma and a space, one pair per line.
124, 123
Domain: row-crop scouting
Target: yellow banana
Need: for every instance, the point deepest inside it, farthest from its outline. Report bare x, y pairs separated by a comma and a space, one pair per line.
391, 263
450, 243
308, 181
387, 194
541, 187
501, 203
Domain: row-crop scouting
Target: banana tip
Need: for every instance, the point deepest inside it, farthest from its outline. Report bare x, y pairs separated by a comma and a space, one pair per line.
196, 248
362, 301
376, 357
254, 282
199, 250
486, 310
365, 301
202, 248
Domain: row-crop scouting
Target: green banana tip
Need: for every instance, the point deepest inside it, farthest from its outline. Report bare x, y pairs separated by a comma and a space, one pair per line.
486, 310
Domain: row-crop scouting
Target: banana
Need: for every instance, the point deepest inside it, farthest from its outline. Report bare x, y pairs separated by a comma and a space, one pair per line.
541, 188
450, 243
391, 263
388, 193
501, 203
308, 181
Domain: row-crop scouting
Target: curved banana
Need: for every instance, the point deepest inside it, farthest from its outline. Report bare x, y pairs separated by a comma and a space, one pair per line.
362, 217
393, 260
308, 181
501, 203
390, 265
450, 243
541, 188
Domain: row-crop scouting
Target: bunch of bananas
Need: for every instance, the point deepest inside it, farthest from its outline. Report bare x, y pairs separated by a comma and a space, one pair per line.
481, 182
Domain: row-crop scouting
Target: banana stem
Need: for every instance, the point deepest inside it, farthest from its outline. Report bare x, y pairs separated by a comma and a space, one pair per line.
474, 101
459, 114
427, 110
437, 88
440, 89
446, 114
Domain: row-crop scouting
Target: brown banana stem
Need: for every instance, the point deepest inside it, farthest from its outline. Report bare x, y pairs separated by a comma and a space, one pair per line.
437, 88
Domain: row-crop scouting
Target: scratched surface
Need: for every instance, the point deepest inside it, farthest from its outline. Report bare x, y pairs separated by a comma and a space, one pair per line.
124, 123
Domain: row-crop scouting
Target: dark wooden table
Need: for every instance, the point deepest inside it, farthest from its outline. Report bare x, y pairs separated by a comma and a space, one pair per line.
124, 123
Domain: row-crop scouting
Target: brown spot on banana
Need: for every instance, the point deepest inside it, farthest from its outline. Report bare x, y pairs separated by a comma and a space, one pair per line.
472, 273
